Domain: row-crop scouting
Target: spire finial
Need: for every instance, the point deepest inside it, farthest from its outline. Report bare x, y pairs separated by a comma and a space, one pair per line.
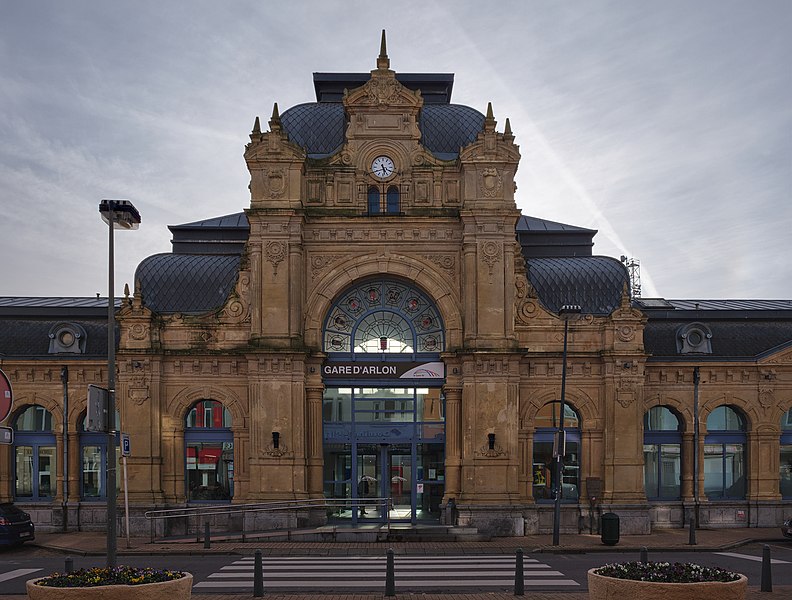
489, 121
275, 122
257, 127
383, 62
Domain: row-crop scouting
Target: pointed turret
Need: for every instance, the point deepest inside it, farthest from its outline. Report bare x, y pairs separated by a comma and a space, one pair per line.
383, 62
507, 132
257, 127
275, 122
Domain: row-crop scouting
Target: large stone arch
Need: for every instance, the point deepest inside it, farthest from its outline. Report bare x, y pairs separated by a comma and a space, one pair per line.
680, 407
25, 401
435, 283
580, 401
178, 406
749, 412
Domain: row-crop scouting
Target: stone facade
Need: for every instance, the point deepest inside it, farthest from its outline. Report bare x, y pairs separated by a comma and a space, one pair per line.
311, 236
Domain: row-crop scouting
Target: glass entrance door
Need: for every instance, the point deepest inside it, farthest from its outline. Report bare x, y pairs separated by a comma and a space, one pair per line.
400, 482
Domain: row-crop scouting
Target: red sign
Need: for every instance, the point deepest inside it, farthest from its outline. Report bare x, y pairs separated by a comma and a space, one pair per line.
6, 397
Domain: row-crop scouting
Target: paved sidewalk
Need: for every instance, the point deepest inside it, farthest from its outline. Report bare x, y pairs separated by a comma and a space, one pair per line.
90, 543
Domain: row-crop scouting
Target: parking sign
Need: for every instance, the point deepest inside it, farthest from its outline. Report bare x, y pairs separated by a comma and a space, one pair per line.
126, 448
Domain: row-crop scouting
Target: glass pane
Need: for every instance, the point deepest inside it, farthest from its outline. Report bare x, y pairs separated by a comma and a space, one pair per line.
548, 416
786, 471
786, 421
660, 418
337, 405
670, 471
34, 418
92, 472
544, 471
724, 418
208, 414
430, 487
337, 477
210, 470
46, 471
734, 479
384, 331
373, 201
430, 405
393, 199
713, 471
400, 480
369, 480
651, 470
571, 475
24, 472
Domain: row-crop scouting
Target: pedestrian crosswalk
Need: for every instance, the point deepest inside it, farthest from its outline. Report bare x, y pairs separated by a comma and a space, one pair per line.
9, 575
411, 573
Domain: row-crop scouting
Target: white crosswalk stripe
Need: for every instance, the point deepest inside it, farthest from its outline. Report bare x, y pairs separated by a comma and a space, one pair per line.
7, 576
754, 558
411, 573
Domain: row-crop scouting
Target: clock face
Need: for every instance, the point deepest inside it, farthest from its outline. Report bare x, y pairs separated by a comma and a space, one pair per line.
382, 167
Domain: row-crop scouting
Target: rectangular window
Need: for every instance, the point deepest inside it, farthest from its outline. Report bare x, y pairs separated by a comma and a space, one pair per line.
724, 471
46, 471
24, 472
651, 472
210, 470
544, 471
92, 480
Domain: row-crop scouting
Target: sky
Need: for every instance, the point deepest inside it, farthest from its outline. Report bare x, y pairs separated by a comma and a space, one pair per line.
666, 126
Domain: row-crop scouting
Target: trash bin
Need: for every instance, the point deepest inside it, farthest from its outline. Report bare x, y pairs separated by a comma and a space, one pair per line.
610, 529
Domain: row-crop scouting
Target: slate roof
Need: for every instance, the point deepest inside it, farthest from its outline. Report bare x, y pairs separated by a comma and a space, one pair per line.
741, 329
28, 337
319, 127
595, 283
187, 283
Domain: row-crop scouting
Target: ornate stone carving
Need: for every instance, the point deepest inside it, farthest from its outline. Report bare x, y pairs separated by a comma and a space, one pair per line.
491, 182
281, 450
383, 91
276, 182
320, 262
138, 331
625, 333
524, 300
487, 452
626, 391
276, 252
491, 253
766, 397
447, 262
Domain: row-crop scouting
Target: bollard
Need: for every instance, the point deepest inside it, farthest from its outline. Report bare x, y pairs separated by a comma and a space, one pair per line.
692, 536
767, 574
69, 564
390, 579
519, 577
644, 554
258, 577
207, 541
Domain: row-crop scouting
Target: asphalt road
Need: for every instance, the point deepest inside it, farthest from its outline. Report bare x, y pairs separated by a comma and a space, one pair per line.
232, 573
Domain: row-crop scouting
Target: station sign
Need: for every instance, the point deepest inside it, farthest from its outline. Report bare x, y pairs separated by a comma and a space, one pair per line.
383, 370
6, 397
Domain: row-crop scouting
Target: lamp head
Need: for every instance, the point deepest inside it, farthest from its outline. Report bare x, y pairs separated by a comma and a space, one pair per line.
121, 213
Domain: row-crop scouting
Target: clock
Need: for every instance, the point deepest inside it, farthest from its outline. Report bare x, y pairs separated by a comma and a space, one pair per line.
382, 167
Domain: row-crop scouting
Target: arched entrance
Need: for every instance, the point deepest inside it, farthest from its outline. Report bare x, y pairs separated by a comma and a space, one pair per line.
383, 407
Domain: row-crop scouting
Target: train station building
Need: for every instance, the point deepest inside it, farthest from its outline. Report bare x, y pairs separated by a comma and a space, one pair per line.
382, 326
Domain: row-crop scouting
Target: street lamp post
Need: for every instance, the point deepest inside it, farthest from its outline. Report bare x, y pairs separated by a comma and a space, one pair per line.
566, 312
118, 214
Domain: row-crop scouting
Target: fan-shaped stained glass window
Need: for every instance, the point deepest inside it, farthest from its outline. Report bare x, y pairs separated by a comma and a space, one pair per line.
383, 317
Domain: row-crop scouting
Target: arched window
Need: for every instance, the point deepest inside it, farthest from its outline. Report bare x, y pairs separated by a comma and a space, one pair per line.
209, 445
546, 423
34, 455
93, 462
662, 454
785, 465
724, 455
373, 200
383, 317
393, 200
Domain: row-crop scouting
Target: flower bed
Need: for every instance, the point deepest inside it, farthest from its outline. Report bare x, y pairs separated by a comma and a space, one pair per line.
660, 581
112, 584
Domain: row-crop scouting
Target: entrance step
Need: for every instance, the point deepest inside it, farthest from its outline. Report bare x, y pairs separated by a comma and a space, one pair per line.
432, 533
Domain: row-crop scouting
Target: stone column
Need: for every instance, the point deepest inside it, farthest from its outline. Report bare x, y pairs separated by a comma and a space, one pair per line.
453, 459
313, 395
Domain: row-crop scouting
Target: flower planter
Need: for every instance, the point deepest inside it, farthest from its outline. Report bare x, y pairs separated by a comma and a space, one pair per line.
175, 589
610, 588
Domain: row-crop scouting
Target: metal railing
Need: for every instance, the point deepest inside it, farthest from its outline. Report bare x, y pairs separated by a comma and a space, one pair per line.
200, 514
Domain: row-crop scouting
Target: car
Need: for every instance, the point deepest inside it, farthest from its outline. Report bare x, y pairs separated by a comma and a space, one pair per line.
786, 528
15, 525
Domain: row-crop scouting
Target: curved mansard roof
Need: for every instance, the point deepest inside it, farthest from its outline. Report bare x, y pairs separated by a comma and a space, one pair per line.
595, 283
319, 127
187, 283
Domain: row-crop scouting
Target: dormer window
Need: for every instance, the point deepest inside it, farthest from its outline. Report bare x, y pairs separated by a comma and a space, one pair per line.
67, 338
694, 339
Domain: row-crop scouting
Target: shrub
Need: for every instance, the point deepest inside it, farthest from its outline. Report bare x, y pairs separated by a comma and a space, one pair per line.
664, 572
120, 575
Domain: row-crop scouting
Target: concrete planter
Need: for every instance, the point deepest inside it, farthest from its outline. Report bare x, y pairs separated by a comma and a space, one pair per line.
175, 589
610, 588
